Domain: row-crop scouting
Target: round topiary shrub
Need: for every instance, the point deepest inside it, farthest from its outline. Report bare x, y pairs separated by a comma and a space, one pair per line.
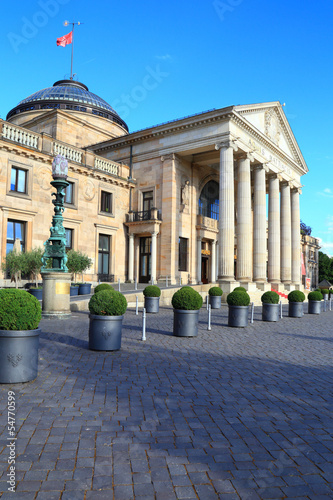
270, 298
215, 291
330, 291
239, 289
317, 296
19, 310
103, 286
296, 296
152, 291
108, 303
238, 298
187, 299
324, 291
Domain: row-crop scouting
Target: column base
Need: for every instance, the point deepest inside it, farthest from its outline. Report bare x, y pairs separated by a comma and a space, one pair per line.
228, 286
263, 286
289, 286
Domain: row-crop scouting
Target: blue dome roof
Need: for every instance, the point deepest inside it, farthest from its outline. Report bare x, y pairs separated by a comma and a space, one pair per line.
68, 95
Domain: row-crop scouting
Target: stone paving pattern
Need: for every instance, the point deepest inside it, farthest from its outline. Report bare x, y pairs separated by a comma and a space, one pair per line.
231, 414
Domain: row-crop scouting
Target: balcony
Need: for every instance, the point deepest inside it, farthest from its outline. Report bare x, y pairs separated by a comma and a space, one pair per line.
207, 223
144, 216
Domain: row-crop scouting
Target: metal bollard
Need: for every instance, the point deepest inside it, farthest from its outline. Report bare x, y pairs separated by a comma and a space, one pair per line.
180, 281
330, 304
281, 309
136, 305
207, 302
144, 324
252, 311
119, 285
166, 282
209, 318
135, 284
152, 281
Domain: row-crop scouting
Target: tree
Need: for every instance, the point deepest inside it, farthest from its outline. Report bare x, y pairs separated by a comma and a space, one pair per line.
32, 263
14, 264
306, 230
77, 262
325, 267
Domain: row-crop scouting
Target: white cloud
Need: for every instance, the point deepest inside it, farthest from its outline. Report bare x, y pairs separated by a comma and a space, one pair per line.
326, 192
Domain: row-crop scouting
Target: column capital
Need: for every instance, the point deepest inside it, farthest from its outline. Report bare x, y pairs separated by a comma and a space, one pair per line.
246, 156
296, 189
262, 166
170, 156
227, 143
285, 183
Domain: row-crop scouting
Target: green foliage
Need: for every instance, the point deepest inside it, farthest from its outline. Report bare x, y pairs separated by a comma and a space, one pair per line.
77, 262
32, 263
152, 291
239, 289
270, 298
324, 291
108, 303
187, 299
296, 296
317, 296
215, 291
103, 286
19, 310
14, 263
330, 291
238, 298
325, 264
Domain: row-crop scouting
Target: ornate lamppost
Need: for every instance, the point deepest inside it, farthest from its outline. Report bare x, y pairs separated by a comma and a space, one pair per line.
56, 278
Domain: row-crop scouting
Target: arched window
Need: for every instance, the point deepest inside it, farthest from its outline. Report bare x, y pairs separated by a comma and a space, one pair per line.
209, 200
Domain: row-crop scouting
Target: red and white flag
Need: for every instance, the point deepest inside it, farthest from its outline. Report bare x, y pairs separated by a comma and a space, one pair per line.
65, 40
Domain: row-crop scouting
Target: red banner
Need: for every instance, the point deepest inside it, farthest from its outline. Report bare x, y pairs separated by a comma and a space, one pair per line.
65, 40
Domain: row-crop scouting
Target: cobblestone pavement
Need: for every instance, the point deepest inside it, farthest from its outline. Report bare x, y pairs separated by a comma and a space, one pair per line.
231, 414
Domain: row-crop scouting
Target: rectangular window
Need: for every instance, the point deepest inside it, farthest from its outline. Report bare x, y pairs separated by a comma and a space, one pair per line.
69, 194
106, 202
18, 180
147, 200
103, 254
15, 230
183, 251
69, 239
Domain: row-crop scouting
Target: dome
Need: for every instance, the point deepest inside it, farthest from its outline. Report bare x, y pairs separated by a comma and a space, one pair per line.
68, 95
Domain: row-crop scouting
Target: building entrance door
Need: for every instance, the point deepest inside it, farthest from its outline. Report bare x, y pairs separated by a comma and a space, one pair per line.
145, 260
204, 269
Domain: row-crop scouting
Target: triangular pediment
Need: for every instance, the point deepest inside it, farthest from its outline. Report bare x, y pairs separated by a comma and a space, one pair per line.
270, 120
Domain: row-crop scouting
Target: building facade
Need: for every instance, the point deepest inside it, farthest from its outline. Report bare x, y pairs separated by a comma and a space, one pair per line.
212, 197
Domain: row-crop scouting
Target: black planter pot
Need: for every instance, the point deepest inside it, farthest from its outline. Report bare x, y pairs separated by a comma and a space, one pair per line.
105, 332
74, 290
152, 304
18, 355
270, 312
85, 289
296, 309
37, 292
185, 323
314, 307
238, 316
215, 301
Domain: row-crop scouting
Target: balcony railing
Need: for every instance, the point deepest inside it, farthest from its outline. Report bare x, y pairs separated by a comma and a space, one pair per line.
19, 135
207, 222
107, 166
144, 215
68, 152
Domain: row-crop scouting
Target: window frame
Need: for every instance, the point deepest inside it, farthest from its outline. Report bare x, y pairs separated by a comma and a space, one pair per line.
12, 240
183, 254
74, 184
103, 189
71, 230
28, 180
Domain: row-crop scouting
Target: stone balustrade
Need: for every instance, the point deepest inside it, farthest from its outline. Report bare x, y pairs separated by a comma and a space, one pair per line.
107, 166
68, 152
20, 135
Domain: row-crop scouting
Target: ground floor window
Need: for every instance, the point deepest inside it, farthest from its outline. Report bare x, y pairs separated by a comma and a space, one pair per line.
145, 259
69, 239
103, 254
183, 252
15, 229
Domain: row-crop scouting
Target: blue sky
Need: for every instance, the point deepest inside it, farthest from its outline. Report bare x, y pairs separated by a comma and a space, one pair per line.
202, 55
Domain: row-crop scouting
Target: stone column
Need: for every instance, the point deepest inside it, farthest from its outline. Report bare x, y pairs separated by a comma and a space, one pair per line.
213, 262
131, 258
259, 225
244, 248
295, 238
170, 207
217, 261
199, 239
153, 256
274, 230
285, 233
227, 212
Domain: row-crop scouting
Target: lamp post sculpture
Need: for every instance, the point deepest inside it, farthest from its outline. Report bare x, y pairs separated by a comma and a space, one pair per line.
56, 278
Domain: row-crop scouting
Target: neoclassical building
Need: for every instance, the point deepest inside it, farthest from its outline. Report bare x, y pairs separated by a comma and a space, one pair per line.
208, 198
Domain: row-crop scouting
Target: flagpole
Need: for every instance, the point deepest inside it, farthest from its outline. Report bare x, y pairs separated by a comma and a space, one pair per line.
66, 23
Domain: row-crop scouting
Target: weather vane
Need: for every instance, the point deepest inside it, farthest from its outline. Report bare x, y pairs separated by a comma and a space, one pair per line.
67, 39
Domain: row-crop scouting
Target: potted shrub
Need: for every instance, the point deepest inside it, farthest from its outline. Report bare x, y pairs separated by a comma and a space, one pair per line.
32, 264
74, 289
103, 286
13, 263
296, 299
240, 289
324, 292
238, 302
152, 295
186, 303
215, 295
77, 263
314, 305
20, 314
270, 306
107, 309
